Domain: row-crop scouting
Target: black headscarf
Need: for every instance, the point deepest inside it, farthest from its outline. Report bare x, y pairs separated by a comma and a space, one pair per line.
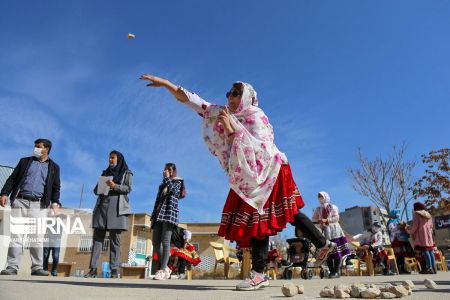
117, 171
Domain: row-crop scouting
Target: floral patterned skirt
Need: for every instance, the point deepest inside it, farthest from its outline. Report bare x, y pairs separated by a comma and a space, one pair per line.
240, 222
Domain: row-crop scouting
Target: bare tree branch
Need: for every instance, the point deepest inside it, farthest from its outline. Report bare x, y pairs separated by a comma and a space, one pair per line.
386, 182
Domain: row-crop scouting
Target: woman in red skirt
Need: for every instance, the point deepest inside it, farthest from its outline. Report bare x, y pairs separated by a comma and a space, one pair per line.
263, 196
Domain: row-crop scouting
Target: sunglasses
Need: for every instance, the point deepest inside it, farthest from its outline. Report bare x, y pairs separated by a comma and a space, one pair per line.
234, 93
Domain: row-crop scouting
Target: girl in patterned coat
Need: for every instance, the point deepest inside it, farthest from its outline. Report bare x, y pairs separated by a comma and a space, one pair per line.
263, 196
165, 217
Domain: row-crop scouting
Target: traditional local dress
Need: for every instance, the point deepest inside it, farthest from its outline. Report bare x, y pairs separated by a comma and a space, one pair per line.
263, 196
187, 253
332, 230
375, 242
398, 236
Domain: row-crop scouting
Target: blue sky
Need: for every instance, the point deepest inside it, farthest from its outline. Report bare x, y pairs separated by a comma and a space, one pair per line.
331, 75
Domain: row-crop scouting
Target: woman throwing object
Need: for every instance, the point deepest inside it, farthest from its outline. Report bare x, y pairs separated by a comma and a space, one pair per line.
263, 196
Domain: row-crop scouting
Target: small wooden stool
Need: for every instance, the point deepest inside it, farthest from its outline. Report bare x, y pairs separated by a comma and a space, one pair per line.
272, 272
189, 272
63, 269
246, 265
411, 263
133, 272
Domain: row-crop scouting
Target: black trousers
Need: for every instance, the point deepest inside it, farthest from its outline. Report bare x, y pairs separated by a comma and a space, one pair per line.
55, 255
303, 223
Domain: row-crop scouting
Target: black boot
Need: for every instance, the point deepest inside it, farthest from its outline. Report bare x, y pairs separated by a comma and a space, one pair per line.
114, 273
338, 263
92, 273
336, 269
331, 268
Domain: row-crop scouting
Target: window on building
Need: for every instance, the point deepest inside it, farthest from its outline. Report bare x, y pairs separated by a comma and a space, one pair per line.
374, 212
86, 244
141, 245
196, 246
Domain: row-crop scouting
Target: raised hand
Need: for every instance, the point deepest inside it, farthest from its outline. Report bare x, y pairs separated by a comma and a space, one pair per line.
161, 82
166, 174
154, 81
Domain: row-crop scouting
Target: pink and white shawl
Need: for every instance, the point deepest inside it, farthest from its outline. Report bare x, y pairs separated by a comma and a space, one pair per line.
252, 161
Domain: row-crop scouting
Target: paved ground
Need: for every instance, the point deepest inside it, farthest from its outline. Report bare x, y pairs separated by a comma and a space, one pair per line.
34, 288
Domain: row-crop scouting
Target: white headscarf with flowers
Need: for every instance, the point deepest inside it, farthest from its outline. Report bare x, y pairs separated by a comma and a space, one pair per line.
252, 161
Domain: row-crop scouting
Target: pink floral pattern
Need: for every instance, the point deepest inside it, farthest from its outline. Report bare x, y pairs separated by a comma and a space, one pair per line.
252, 161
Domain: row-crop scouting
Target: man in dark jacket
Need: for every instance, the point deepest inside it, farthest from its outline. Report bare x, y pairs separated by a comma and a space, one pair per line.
33, 186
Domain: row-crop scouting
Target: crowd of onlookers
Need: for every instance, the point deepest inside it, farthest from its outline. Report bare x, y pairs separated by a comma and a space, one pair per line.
407, 241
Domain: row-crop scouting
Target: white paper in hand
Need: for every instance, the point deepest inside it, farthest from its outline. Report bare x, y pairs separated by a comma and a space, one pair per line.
102, 187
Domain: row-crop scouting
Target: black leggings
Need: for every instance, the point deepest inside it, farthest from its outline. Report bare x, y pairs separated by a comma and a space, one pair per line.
302, 222
182, 263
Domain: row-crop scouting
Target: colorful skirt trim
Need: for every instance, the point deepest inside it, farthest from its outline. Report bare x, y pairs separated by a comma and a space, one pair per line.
341, 248
240, 222
190, 257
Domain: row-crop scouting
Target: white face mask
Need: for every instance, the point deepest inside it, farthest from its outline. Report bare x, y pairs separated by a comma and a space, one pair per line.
37, 152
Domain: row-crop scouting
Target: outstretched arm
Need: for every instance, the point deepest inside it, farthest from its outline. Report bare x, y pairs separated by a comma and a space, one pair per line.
176, 91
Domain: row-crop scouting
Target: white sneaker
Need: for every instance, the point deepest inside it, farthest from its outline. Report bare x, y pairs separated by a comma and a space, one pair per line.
162, 274
159, 275
254, 282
